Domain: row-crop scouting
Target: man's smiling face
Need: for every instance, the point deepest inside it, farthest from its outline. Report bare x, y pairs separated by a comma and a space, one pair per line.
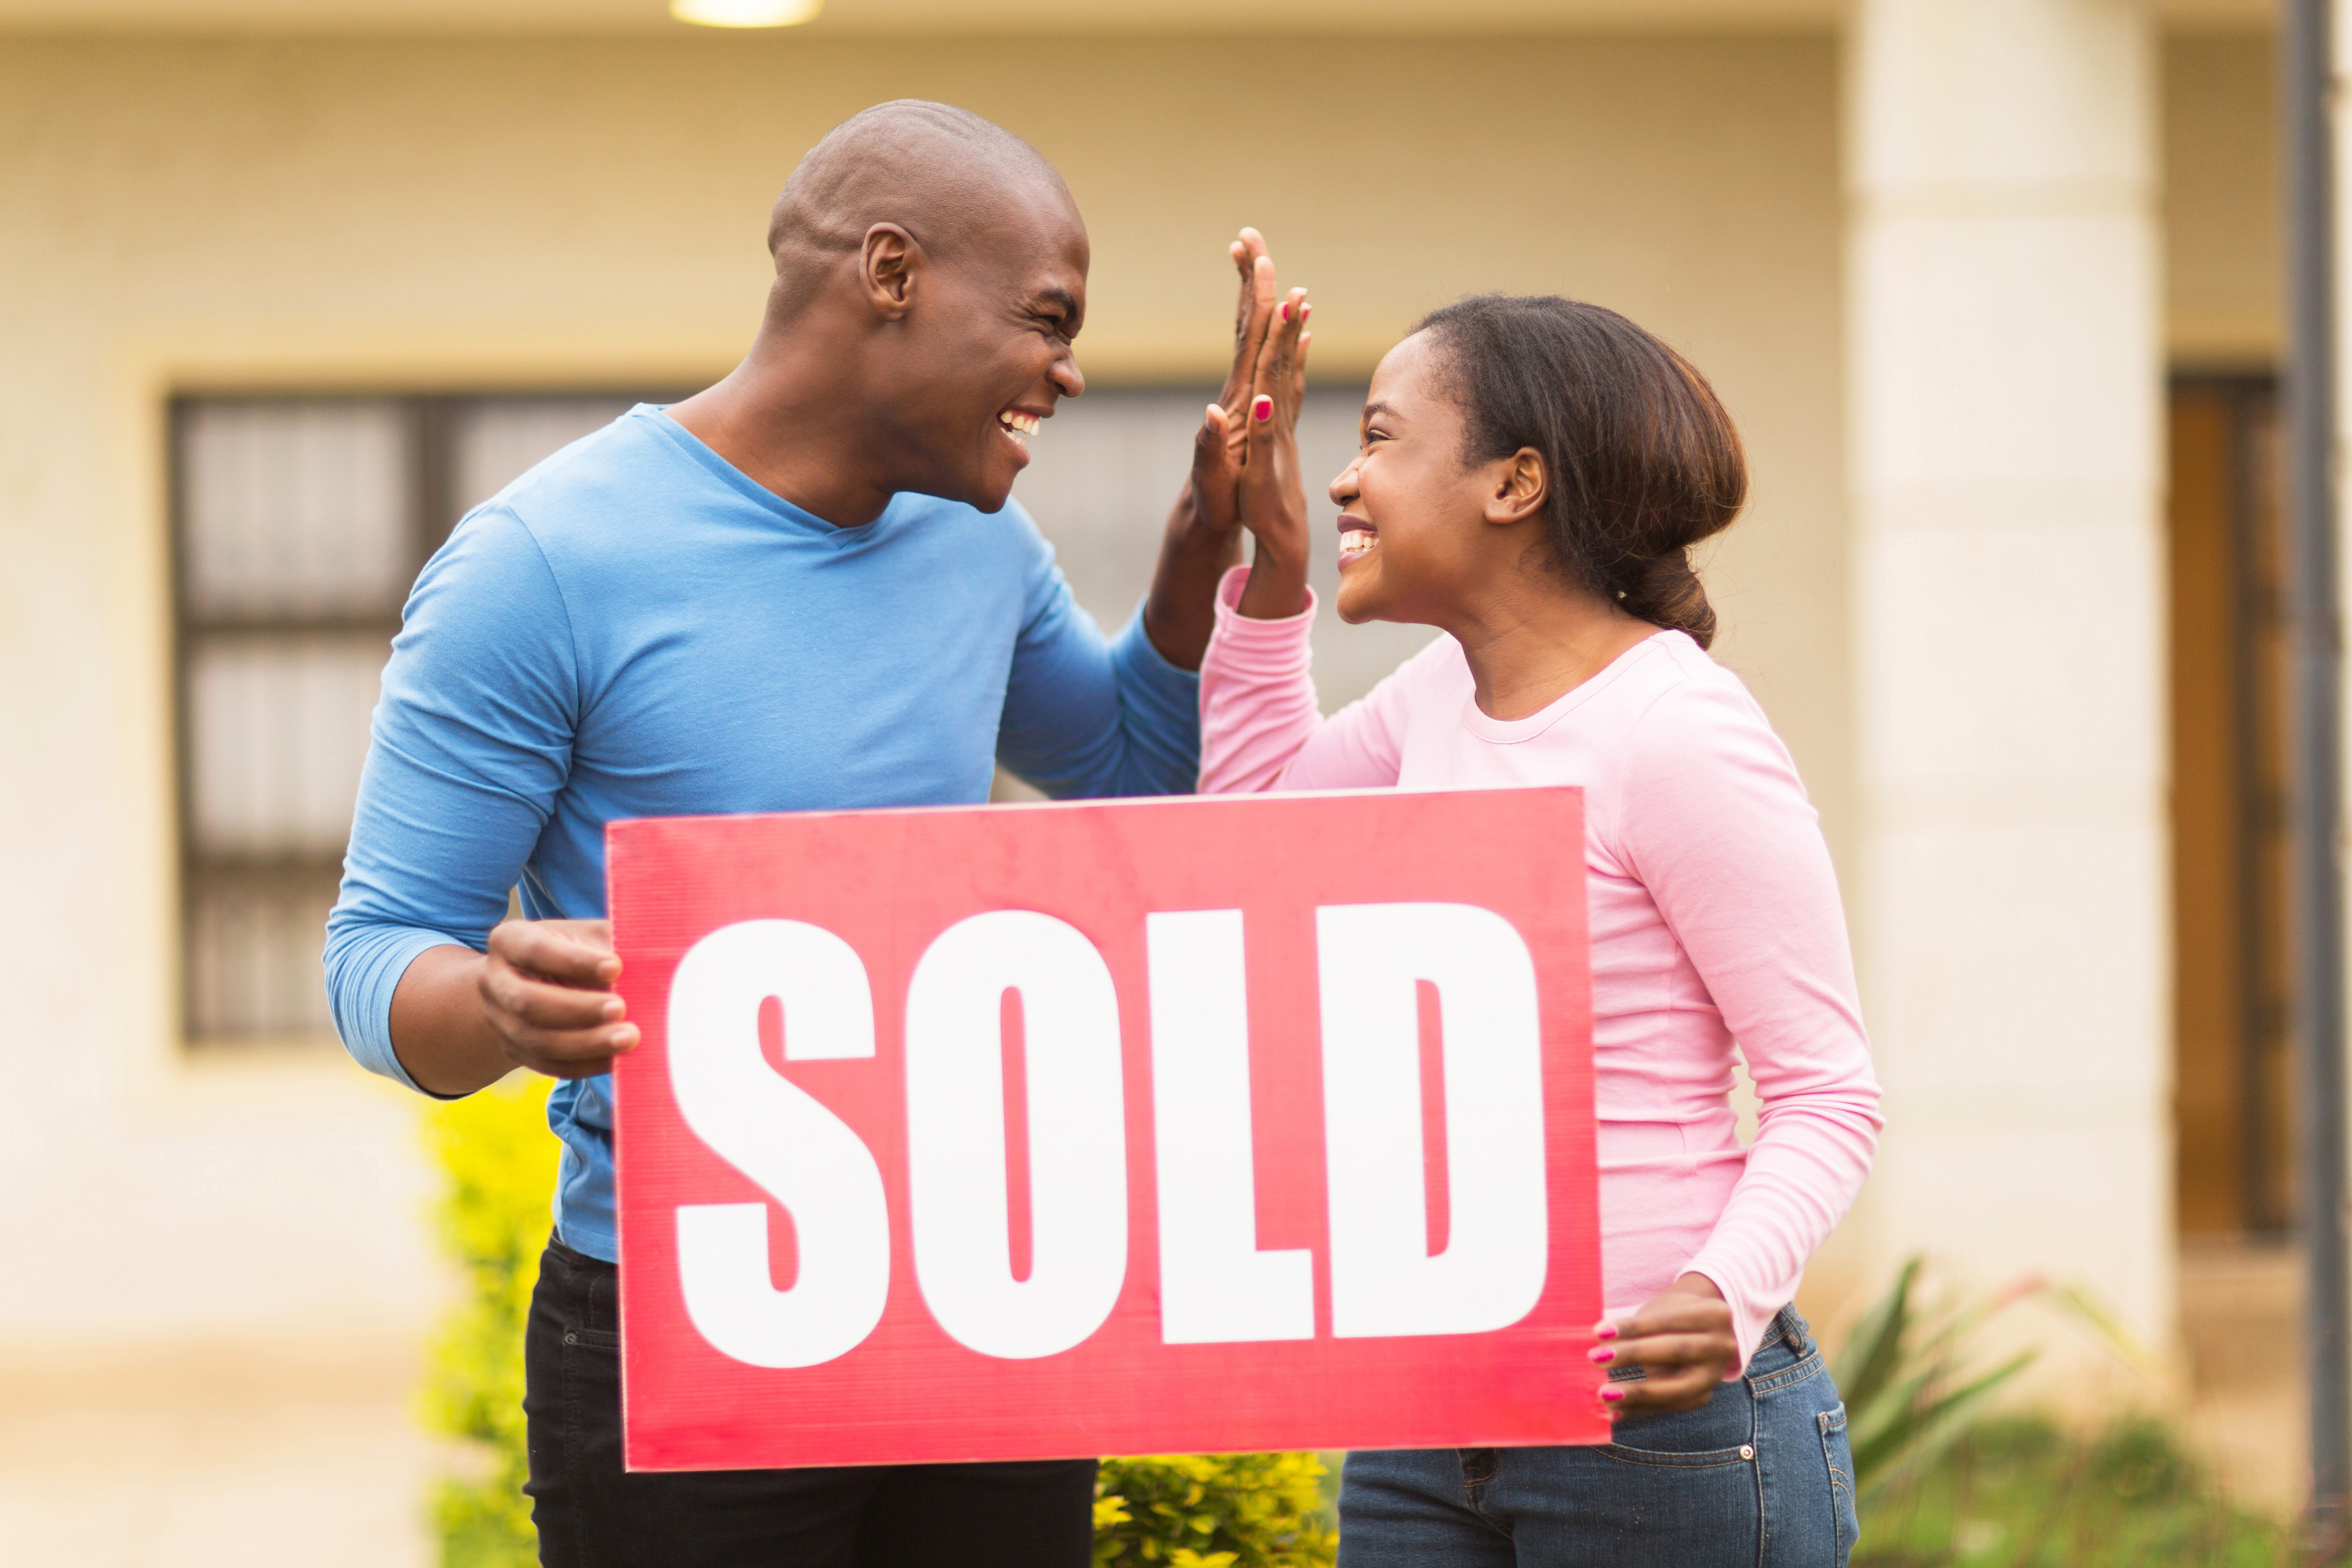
989, 347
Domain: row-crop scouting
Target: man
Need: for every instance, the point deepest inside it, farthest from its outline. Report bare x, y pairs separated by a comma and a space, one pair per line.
802, 588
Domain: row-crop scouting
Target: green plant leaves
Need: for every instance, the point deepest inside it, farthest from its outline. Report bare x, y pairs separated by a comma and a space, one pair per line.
1942, 1480
1904, 1375
1225, 1510
500, 1160
2019, 1492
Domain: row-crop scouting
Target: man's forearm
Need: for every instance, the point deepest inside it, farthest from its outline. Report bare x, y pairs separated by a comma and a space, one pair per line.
1183, 609
440, 1030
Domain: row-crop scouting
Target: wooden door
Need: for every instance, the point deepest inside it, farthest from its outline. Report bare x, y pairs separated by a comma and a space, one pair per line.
2231, 948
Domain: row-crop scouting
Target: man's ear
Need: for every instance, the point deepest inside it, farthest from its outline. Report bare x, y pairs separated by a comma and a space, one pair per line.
888, 267
1520, 487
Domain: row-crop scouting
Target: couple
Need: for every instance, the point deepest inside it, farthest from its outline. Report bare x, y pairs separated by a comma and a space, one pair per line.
803, 588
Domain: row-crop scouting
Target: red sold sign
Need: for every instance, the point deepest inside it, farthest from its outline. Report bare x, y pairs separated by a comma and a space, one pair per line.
1137, 1127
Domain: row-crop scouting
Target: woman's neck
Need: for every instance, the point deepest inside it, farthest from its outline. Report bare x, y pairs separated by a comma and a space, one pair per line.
1534, 643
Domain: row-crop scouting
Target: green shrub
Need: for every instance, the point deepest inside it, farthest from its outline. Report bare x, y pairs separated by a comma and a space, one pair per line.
1220, 1510
1905, 1376
499, 1160
2019, 1492
1245, 1511
1943, 1483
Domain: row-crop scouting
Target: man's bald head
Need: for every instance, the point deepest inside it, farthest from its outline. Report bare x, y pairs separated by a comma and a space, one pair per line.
940, 173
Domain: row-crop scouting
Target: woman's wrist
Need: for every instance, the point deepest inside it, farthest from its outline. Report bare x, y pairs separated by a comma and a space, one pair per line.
1276, 588
1697, 1285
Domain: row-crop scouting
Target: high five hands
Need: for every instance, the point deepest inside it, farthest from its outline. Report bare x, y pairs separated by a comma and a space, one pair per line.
1245, 454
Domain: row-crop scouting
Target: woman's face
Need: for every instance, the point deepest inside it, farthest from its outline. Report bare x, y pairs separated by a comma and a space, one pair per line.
1412, 516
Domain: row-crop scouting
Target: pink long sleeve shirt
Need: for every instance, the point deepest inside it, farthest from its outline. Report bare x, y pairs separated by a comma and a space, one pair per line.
1715, 920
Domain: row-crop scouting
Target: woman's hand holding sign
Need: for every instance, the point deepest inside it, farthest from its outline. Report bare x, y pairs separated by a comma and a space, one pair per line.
1680, 1339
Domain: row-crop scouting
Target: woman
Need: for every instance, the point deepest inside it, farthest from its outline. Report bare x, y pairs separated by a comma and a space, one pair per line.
1533, 473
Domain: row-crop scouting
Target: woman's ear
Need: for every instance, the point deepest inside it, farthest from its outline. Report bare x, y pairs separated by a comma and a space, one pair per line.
1520, 487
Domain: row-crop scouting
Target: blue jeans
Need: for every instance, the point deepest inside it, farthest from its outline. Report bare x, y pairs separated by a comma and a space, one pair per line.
1759, 1476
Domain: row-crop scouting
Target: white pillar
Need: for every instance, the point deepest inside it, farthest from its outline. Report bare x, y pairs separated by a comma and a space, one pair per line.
2006, 378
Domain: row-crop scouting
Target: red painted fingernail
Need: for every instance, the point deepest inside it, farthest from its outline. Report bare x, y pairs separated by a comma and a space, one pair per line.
1285, 310
1613, 1395
1263, 409
1602, 1354
1605, 1331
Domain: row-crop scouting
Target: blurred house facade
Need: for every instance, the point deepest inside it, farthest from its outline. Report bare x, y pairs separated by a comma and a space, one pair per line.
1993, 287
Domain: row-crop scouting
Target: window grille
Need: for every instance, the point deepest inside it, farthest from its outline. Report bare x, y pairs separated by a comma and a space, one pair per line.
300, 522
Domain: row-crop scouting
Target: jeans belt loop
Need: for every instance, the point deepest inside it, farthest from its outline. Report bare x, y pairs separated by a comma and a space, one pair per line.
1793, 1327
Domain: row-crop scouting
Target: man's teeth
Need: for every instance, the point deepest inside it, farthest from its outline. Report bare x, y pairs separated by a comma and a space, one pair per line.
1355, 542
1017, 424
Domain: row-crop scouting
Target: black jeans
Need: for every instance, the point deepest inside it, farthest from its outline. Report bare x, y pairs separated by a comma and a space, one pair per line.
590, 1514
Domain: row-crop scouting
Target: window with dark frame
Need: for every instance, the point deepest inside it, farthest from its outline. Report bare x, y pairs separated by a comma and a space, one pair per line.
299, 524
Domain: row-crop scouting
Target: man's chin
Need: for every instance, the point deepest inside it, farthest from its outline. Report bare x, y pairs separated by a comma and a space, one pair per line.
993, 486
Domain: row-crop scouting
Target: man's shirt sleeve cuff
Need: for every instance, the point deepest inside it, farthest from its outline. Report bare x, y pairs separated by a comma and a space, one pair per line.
363, 969
1167, 698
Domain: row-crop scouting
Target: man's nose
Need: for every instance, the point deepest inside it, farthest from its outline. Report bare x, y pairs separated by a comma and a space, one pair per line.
1070, 380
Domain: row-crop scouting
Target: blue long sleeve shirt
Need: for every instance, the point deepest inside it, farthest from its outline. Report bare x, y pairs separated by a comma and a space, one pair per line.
634, 628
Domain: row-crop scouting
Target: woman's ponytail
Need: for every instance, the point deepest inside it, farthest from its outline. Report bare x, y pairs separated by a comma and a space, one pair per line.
1665, 591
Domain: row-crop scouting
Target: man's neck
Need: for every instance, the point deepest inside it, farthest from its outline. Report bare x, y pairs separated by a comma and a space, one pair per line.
782, 419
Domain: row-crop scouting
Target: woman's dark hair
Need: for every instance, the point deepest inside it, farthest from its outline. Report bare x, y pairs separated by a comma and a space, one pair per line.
1641, 458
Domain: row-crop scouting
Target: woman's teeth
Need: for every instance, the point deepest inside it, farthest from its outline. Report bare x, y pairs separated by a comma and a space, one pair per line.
1355, 542
1017, 424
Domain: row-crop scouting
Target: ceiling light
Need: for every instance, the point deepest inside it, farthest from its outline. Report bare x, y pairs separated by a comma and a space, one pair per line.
745, 12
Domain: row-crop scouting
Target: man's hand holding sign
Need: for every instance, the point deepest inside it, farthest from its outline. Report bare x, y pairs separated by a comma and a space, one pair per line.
1120, 1128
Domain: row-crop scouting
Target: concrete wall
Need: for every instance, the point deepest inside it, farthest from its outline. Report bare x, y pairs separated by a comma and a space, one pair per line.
191, 214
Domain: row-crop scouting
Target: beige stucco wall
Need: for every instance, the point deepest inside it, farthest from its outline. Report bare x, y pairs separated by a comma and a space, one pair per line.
200, 214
